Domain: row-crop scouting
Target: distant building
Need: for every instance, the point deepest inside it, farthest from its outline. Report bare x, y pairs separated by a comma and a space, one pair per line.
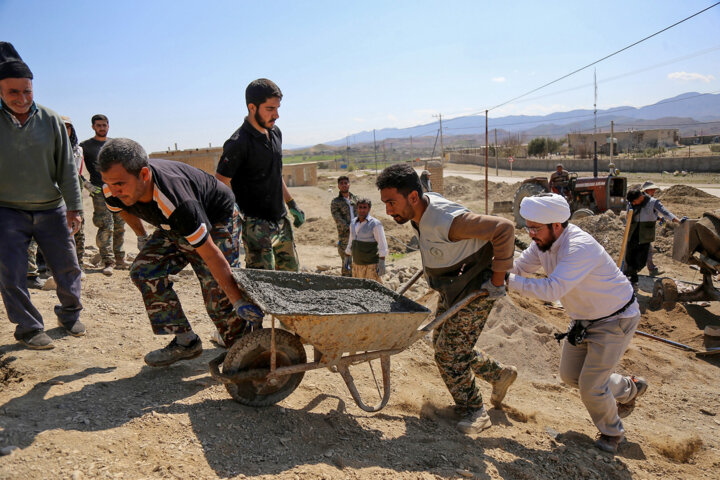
625, 142
295, 175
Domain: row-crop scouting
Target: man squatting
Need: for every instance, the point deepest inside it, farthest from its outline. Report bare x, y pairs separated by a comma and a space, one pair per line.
193, 216
600, 302
461, 252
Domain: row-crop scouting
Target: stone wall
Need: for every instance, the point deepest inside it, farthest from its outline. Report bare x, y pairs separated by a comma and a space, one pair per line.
670, 164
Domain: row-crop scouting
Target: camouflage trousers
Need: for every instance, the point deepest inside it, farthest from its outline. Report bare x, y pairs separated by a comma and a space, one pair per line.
457, 358
111, 231
341, 251
269, 245
167, 253
79, 249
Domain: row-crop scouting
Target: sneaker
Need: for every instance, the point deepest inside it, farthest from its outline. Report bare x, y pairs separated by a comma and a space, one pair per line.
608, 443
107, 270
173, 353
77, 329
35, 340
35, 283
475, 420
501, 385
625, 409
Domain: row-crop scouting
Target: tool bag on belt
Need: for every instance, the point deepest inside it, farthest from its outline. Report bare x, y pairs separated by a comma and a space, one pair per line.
454, 282
578, 330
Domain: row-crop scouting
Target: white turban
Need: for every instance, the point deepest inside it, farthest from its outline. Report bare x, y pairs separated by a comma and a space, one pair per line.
545, 208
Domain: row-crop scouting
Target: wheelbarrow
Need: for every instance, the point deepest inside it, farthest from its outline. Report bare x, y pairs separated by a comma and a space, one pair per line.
346, 320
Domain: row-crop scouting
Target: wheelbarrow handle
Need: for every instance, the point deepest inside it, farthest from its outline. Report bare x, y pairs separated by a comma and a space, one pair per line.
452, 311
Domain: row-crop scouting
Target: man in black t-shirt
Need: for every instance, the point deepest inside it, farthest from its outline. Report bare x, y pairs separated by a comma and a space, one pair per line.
110, 226
192, 213
251, 164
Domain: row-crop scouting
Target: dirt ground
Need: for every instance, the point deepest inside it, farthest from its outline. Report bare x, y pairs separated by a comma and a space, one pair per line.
91, 408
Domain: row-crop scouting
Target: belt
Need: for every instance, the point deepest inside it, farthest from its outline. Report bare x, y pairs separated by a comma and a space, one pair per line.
617, 312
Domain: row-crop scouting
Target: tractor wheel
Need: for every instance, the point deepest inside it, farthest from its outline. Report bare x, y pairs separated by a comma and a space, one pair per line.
253, 352
665, 294
581, 213
525, 190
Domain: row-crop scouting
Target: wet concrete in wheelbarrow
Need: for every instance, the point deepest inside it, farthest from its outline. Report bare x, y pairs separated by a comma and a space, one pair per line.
284, 293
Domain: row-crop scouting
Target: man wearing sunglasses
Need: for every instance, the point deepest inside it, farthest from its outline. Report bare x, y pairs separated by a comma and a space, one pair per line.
600, 302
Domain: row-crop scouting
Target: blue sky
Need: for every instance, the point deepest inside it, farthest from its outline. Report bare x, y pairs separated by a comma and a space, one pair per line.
169, 72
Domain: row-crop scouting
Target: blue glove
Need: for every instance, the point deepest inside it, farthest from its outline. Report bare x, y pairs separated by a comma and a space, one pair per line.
381, 267
683, 219
141, 241
249, 312
297, 214
347, 264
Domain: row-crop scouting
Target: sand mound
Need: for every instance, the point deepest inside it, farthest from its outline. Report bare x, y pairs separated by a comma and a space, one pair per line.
680, 193
608, 230
509, 335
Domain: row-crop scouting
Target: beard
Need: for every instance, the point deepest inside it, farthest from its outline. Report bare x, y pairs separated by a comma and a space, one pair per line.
546, 245
262, 122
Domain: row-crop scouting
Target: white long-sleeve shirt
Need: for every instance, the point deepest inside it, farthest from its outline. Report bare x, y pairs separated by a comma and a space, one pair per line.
369, 230
581, 275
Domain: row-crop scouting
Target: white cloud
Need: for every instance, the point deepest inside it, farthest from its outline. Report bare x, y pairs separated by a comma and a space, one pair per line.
498, 79
689, 77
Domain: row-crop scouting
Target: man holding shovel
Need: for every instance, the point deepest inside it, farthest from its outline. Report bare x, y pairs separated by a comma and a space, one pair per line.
462, 252
600, 302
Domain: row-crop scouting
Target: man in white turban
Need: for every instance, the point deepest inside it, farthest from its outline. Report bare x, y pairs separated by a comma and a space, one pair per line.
600, 302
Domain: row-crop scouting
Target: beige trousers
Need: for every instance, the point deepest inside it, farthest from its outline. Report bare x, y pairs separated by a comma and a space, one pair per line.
590, 365
366, 271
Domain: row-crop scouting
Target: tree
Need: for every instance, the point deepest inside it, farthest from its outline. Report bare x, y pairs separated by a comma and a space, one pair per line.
541, 146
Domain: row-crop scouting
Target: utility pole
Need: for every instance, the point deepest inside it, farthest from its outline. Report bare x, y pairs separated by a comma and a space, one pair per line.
486, 163
411, 149
375, 150
496, 154
612, 139
595, 104
442, 147
347, 151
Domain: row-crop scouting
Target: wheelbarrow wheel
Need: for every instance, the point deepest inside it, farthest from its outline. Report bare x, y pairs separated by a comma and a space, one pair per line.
665, 294
253, 352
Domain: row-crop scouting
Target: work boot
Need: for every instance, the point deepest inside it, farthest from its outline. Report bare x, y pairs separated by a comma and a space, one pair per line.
35, 340
608, 443
475, 420
76, 329
174, 352
625, 409
121, 264
500, 386
36, 283
107, 269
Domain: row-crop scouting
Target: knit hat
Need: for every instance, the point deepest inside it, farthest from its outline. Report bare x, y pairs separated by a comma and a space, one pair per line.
11, 65
545, 208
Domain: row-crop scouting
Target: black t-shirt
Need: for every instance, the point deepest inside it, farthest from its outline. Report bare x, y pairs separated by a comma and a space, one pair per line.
91, 149
254, 163
186, 200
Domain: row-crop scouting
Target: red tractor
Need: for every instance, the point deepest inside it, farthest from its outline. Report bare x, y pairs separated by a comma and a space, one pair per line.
586, 196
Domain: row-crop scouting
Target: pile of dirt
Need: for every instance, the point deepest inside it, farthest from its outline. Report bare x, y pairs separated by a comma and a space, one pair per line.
608, 229
681, 193
7, 373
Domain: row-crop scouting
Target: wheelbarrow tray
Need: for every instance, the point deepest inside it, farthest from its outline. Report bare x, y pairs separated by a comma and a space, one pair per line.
335, 315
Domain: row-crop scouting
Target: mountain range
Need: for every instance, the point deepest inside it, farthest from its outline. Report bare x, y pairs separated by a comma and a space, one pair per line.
687, 112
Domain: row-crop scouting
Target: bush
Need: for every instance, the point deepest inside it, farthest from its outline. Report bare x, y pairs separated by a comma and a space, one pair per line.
715, 148
541, 146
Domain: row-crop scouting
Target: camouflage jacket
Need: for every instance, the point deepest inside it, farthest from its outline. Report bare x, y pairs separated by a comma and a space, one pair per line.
341, 214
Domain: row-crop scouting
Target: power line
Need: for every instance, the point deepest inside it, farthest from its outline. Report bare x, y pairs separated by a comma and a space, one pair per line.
606, 57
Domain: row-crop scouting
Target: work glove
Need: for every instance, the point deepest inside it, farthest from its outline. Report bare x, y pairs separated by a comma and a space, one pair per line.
142, 240
249, 312
91, 188
683, 219
297, 214
381, 267
347, 264
493, 291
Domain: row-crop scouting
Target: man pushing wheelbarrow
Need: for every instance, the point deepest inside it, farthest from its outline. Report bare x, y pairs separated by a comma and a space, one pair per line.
461, 252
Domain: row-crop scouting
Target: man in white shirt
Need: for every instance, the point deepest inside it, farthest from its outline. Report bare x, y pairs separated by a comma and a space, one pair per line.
367, 246
600, 302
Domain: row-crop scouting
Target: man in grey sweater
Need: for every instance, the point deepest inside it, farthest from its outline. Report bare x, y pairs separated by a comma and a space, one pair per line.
39, 198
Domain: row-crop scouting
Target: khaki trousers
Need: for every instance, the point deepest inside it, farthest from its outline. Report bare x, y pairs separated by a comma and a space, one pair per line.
366, 271
589, 366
